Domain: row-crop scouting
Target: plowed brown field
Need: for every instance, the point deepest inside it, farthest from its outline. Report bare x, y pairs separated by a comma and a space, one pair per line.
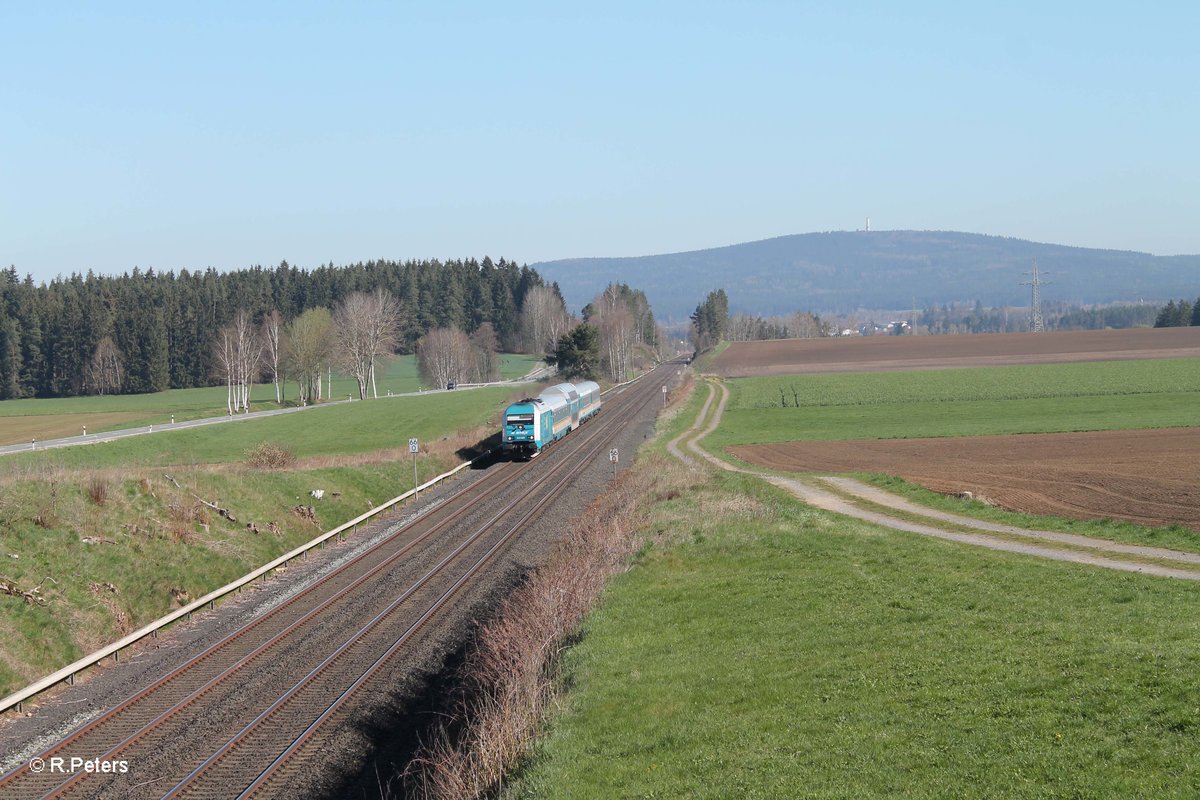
1151, 477
871, 353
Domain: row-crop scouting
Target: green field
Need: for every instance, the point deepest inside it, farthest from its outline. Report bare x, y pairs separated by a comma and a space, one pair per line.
962, 402
762, 649
21, 420
151, 536
358, 427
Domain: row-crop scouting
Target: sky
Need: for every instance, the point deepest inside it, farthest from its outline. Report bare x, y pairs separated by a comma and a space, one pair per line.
195, 135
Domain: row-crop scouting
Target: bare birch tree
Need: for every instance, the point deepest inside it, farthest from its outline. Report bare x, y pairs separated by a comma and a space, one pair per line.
444, 356
223, 350
272, 333
306, 349
106, 371
238, 356
544, 319
612, 316
365, 327
483, 343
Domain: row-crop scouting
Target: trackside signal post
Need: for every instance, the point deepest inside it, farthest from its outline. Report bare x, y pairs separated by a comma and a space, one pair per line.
414, 447
613, 456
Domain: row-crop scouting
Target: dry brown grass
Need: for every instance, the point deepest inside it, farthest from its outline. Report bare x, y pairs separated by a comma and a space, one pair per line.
97, 490
20, 430
509, 678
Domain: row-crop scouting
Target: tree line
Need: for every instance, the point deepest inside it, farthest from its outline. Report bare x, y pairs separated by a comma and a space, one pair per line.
617, 335
753, 328
1178, 314
712, 323
146, 331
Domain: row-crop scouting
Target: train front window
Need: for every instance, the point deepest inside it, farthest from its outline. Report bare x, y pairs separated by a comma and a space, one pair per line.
520, 419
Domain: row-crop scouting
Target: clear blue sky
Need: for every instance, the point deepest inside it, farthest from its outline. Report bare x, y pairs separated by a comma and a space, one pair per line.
174, 135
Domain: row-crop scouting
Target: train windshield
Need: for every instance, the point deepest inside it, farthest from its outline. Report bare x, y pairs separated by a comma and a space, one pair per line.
520, 419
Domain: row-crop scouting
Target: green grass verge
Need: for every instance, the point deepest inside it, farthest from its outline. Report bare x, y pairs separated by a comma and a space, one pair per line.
704, 361
776, 651
962, 402
154, 537
350, 428
21, 419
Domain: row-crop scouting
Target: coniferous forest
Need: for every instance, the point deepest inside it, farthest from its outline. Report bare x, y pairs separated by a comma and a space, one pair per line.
165, 324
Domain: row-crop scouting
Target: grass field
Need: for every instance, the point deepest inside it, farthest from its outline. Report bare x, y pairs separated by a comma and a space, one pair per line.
762, 649
21, 420
962, 402
150, 536
386, 422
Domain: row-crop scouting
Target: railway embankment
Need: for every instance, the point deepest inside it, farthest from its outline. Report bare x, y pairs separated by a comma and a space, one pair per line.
89, 554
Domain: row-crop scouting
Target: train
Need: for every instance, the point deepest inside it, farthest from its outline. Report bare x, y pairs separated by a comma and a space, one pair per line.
536, 422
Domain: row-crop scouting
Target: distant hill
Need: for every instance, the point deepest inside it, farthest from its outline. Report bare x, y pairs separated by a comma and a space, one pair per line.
844, 271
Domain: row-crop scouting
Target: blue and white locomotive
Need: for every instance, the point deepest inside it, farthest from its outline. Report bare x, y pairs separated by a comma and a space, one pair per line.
535, 422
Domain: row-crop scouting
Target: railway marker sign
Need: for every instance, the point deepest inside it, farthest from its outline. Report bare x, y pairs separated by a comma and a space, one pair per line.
414, 447
613, 456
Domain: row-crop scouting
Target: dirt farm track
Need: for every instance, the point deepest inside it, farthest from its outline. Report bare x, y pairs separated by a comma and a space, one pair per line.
1148, 477
1151, 477
873, 353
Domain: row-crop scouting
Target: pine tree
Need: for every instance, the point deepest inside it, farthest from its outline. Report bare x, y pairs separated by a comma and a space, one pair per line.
577, 354
10, 358
710, 320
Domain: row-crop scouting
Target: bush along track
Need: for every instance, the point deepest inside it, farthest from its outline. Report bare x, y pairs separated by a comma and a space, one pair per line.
509, 678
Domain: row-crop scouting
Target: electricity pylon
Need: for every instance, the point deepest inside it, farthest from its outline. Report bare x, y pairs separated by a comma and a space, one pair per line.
1035, 305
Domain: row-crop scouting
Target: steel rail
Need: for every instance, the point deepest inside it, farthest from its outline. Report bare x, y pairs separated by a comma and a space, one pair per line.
584, 460
584, 453
328, 603
306, 593
67, 673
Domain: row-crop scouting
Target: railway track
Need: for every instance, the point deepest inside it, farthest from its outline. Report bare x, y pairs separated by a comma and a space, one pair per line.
264, 692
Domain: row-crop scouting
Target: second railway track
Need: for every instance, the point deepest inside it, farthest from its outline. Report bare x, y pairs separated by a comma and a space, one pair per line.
259, 697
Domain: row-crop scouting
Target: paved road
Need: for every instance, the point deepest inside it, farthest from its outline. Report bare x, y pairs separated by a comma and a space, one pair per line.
92, 438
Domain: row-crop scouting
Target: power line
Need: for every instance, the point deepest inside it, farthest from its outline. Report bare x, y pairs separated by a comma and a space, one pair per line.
1036, 323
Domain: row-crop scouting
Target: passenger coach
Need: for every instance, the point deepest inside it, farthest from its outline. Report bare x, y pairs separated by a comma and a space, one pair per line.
535, 422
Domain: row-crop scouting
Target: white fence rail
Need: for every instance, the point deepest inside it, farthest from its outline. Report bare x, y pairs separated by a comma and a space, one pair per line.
68, 673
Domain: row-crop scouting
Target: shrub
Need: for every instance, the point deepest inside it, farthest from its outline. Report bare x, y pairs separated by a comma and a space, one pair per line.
267, 455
